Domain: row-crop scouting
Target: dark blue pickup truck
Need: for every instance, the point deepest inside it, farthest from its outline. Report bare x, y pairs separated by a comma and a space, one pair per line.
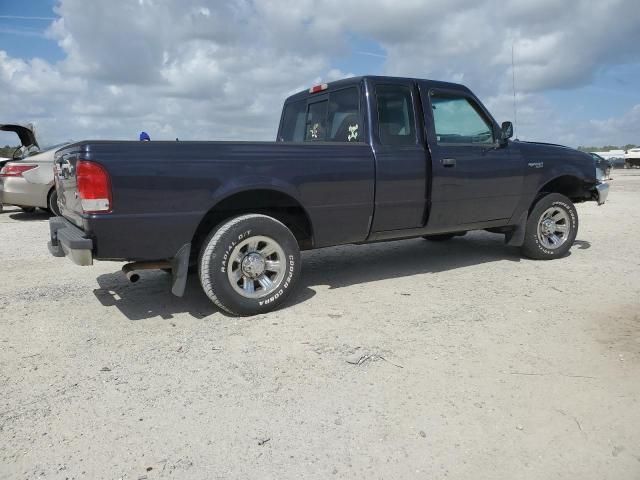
356, 161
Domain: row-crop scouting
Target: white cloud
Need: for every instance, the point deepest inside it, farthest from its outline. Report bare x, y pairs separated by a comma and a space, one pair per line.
220, 70
600, 132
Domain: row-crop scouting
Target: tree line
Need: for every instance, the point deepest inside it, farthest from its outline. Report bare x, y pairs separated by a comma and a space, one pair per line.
606, 148
7, 151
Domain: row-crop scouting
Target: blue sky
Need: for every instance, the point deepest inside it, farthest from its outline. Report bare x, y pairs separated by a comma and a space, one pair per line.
25, 37
610, 94
577, 71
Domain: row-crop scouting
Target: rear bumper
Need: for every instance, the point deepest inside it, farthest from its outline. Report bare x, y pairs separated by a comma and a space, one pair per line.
17, 191
601, 192
67, 240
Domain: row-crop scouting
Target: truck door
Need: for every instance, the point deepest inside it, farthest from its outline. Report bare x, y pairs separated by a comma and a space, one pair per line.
474, 178
401, 162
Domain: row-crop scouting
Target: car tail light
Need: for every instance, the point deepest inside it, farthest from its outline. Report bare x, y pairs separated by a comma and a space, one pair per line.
318, 88
94, 187
15, 170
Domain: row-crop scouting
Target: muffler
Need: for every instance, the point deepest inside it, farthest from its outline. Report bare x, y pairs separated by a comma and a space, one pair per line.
130, 269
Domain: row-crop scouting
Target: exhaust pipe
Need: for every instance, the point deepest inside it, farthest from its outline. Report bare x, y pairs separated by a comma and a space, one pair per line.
130, 269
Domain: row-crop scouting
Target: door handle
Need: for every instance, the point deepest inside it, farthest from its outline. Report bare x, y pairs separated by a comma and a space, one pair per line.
448, 162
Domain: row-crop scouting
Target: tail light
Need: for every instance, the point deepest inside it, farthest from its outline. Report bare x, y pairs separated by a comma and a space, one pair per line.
94, 187
15, 170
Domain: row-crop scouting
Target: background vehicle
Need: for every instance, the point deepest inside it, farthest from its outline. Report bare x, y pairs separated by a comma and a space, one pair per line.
28, 183
359, 160
615, 157
632, 158
27, 144
603, 166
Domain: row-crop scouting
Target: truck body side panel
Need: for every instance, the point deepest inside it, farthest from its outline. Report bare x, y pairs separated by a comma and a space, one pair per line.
162, 190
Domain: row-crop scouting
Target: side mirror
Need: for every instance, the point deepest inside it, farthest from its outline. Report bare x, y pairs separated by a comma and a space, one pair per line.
506, 131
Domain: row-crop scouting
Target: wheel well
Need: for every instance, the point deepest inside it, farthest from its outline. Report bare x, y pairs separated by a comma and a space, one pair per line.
569, 186
267, 202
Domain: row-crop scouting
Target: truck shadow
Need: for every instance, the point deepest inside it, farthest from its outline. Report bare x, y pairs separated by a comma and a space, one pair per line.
348, 265
336, 267
151, 297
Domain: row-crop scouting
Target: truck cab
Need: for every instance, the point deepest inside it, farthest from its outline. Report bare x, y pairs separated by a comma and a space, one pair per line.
442, 162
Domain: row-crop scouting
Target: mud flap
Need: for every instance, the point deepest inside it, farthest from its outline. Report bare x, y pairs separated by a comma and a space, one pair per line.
180, 270
515, 238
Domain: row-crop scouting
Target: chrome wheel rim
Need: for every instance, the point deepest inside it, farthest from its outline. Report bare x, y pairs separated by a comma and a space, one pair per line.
256, 267
554, 228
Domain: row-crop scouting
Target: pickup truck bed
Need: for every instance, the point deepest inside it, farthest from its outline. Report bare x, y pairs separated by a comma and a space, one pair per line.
166, 189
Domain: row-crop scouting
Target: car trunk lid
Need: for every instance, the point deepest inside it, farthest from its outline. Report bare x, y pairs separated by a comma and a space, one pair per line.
25, 133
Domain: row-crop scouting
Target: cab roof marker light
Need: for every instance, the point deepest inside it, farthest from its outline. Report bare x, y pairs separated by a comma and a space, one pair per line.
318, 88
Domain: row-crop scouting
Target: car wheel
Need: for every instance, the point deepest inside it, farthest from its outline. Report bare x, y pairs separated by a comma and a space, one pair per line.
249, 265
551, 229
52, 202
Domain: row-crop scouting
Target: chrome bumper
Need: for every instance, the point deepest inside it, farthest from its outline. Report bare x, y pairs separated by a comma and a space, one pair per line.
68, 240
601, 192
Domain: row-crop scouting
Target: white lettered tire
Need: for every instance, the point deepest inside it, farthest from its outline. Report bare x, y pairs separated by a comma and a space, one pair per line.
249, 265
552, 227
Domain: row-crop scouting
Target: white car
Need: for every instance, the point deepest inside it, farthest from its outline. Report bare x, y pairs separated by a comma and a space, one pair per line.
28, 182
632, 158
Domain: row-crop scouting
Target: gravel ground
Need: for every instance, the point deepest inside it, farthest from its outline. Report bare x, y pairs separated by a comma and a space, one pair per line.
399, 360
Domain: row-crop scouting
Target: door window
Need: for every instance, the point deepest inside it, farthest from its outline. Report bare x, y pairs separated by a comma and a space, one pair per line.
396, 122
458, 121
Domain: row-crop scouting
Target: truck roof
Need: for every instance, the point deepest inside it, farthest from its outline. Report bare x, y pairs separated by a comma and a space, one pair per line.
356, 80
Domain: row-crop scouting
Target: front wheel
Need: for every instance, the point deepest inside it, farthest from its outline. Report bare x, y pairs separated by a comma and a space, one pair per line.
552, 227
249, 265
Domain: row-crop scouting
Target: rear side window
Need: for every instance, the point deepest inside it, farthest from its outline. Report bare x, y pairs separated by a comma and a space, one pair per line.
293, 122
344, 116
316, 126
332, 119
458, 121
396, 122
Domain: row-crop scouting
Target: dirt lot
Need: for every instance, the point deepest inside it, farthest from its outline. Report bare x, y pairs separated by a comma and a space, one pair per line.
398, 361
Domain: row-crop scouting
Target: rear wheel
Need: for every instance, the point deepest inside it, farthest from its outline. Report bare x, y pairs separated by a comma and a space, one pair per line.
52, 203
249, 265
552, 227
